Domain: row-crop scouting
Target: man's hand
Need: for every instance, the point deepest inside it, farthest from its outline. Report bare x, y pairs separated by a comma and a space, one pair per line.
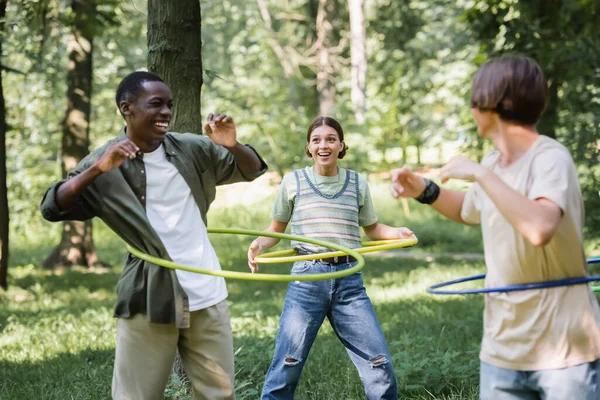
406, 183
461, 167
220, 128
116, 155
68, 193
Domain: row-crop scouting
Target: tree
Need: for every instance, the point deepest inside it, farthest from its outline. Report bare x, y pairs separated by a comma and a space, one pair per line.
318, 49
562, 36
76, 246
324, 54
358, 56
174, 53
418, 69
4, 225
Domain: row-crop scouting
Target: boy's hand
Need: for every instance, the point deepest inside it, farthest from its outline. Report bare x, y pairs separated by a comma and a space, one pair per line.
220, 128
116, 155
406, 183
253, 251
461, 167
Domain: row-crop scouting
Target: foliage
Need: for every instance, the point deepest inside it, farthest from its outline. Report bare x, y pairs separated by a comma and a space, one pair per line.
419, 73
57, 330
178, 388
418, 65
563, 38
421, 56
36, 98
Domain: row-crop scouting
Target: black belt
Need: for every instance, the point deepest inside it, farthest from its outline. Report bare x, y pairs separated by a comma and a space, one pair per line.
336, 260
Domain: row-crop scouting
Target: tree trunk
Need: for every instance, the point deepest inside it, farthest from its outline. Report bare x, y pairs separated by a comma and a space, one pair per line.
286, 64
313, 104
174, 53
76, 246
325, 85
358, 56
404, 144
4, 226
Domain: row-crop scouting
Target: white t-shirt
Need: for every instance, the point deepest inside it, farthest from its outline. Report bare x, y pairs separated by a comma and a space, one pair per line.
174, 215
546, 328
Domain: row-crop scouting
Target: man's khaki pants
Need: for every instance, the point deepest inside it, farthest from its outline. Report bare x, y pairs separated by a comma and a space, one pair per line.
145, 353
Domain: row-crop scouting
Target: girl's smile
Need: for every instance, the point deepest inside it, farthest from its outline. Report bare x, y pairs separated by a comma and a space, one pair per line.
325, 146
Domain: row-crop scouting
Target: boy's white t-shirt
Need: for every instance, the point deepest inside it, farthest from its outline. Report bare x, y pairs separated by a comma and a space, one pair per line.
174, 215
546, 328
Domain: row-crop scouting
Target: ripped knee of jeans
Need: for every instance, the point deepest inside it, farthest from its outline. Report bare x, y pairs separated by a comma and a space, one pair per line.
378, 361
291, 361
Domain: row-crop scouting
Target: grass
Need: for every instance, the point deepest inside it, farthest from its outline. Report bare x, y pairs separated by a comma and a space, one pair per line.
57, 332
433, 349
57, 338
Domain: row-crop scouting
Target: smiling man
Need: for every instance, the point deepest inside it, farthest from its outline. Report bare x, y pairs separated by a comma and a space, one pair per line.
153, 188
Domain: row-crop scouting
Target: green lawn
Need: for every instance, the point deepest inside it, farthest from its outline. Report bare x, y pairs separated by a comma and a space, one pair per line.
57, 330
58, 334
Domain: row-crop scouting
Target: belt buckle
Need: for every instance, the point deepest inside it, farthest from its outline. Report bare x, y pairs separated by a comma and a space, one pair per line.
335, 260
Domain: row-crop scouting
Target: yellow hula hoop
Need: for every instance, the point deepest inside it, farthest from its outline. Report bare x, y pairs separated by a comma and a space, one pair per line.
258, 276
368, 247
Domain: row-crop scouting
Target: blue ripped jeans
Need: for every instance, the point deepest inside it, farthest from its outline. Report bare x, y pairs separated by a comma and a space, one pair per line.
346, 305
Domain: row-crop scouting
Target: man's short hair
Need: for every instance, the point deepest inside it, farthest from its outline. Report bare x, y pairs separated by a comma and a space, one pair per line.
512, 86
131, 85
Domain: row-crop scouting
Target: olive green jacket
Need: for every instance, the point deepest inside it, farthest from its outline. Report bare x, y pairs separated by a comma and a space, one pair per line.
118, 197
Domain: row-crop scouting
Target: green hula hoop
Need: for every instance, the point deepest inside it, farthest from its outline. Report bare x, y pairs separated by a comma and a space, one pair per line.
368, 247
261, 277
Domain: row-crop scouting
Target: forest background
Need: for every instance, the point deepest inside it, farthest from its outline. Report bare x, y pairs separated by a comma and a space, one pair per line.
396, 73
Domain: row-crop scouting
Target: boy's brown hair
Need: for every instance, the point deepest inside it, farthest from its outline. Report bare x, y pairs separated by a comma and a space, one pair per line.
330, 122
512, 86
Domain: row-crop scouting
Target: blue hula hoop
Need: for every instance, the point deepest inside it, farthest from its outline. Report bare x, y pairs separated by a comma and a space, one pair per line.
513, 288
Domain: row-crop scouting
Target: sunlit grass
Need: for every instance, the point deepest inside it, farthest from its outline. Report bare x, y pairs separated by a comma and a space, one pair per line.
57, 336
58, 333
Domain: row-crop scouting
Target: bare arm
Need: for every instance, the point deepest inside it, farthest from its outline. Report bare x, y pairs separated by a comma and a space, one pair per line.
537, 220
264, 242
379, 231
449, 204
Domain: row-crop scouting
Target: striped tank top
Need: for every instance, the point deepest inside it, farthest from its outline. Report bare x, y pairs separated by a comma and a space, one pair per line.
317, 215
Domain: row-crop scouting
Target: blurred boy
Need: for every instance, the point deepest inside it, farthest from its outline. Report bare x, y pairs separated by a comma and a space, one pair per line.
537, 344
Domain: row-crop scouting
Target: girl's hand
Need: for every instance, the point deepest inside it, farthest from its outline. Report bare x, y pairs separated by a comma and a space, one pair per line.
253, 251
405, 233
